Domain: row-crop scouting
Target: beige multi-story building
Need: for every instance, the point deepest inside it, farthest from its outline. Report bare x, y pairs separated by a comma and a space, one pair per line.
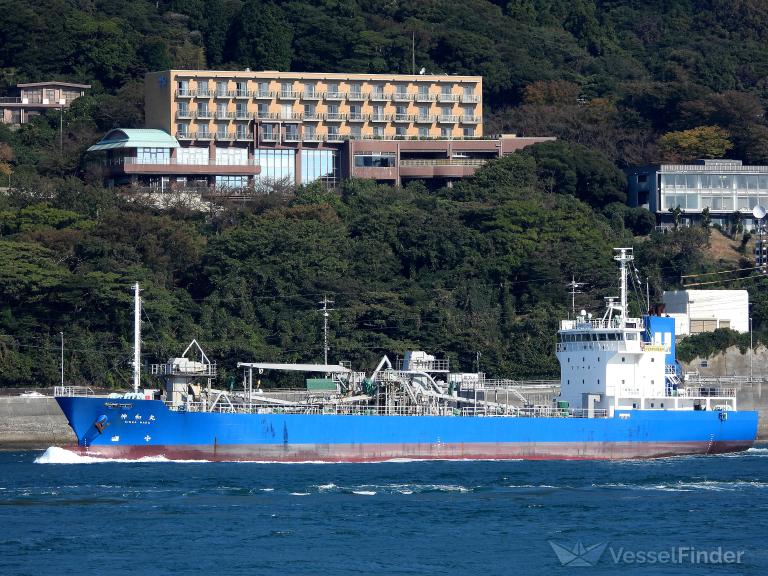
231, 130
291, 107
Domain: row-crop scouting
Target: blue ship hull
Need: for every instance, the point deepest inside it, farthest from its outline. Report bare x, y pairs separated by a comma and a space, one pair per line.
119, 428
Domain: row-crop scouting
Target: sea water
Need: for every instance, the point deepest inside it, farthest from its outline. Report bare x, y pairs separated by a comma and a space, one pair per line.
64, 514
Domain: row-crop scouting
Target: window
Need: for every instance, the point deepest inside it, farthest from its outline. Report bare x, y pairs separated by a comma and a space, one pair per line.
333, 110
319, 165
221, 88
221, 130
276, 165
221, 110
378, 131
445, 110
241, 130
354, 111
231, 181
469, 132
183, 87
286, 87
286, 111
202, 109
333, 88
333, 132
400, 90
378, 90
309, 110
183, 108
153, 155
202, 88
445, 89
469, 90
310, 88
263, 88
356, 90
423, 132
181, 129
263, 110
375, 160
400, 131
355, 131
231, 156
445, 132
192, 155
241, 111
242, 89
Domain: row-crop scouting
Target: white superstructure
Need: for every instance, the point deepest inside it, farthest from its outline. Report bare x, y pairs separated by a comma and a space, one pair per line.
611, 363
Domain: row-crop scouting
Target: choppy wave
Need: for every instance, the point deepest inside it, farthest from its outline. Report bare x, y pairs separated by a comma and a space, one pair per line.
689, 486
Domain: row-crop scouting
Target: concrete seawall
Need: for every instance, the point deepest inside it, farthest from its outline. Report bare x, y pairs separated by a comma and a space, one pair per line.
31, 423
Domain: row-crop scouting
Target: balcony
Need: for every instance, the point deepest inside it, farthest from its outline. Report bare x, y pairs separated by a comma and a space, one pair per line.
311, 116
224, 115
223, 94
269, 136
379, 97
201, 135
402, 97
404, 118
357, 117
313, 137
204, 114
172, 166
425, 97
243, 136
225, 136
335, 117
444, 97
242, 93
445, 162
204, 93
424, 119
335, 137
470, 119
445, 119
185, 135
470, 98
266, 115
185, 93
380, 118
289, 95
291, 136
263, 95
335, 95
185, 114
357, 96
307, 95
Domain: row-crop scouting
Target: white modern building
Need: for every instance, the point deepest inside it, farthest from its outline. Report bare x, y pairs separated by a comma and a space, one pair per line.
697, 311
724, 186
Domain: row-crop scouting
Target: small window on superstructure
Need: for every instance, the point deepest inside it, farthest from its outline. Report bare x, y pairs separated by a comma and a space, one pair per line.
634, 404
623, 359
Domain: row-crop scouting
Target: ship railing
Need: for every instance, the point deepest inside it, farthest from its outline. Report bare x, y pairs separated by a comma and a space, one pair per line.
705, 392
171, 369
437, 365
339, 409
70, 391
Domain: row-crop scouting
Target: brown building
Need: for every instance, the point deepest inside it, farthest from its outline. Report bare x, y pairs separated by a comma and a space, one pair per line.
37, 97
296, 128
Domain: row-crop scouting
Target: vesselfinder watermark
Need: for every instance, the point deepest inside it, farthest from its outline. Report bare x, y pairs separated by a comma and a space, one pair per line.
580, 555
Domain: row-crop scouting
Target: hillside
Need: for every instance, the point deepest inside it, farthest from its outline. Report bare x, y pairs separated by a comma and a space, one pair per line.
480, 267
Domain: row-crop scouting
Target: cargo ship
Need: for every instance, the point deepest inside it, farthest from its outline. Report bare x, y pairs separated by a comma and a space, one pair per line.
620, 396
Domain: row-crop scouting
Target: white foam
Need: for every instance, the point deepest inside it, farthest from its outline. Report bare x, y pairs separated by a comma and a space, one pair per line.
299, 493
364, 492
58, 455
330, 486
267, 489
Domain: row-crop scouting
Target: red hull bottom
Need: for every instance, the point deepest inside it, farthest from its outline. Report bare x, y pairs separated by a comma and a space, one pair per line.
385, 452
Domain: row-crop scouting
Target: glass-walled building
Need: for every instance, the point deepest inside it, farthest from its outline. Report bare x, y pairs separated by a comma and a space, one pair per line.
726, 187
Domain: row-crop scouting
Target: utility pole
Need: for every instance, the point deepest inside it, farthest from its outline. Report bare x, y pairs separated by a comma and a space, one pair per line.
413, 52
61, 130
325, 310
62, 357
751, 349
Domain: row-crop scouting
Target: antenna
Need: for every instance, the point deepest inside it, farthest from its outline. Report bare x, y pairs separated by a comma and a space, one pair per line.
136, 337
622, 256
574, 286
324, 302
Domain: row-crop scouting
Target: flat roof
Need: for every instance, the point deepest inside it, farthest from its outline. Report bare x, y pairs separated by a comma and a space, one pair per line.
52, 83
315, 75
134, 138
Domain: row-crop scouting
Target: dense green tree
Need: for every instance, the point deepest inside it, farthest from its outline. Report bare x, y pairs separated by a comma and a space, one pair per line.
261, 37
